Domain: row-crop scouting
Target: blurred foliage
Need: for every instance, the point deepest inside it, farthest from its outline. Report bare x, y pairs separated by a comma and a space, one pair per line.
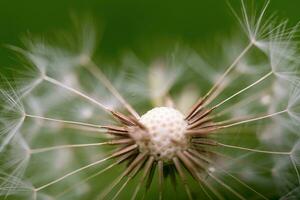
146, 27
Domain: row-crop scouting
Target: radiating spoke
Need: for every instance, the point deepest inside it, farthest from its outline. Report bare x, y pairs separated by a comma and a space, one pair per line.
239, 104
65, 121
254, 150
130, 177
191, 167
295, 168
160, 167
121, 188
226, 186
135, 164
58, 147
219, 90
183, 177
120, 152
198, 160
244, 184
97, 72
234, 95
202, 101
75, 91
229, 69
244, 89
122, 158
72, 173
253, 119
146, 172
232, 176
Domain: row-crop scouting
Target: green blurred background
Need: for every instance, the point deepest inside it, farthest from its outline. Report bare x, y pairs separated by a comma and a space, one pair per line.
145, 27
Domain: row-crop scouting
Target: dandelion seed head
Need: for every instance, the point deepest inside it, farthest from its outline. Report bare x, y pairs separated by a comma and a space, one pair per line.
165, 133
78, 102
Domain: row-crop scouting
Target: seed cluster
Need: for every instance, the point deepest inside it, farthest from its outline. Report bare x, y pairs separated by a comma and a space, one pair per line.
166, 129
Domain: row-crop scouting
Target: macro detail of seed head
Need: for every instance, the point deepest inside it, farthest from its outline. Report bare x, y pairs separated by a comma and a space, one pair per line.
188, 124
164, 134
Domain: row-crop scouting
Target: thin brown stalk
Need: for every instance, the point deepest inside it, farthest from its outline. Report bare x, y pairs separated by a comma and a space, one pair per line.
129, 177
255, 150
97, 72
192, 169
200, 103
253, 119
121, 159
58, 147
244, 89
203, 165
226, 186
120, 152
123, 118
160, 167
200, 123
136, 163
147, 169
75, 91
201, 131
183, 177
65, 121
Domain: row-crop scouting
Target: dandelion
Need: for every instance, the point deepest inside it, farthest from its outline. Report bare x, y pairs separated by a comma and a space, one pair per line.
69, 130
